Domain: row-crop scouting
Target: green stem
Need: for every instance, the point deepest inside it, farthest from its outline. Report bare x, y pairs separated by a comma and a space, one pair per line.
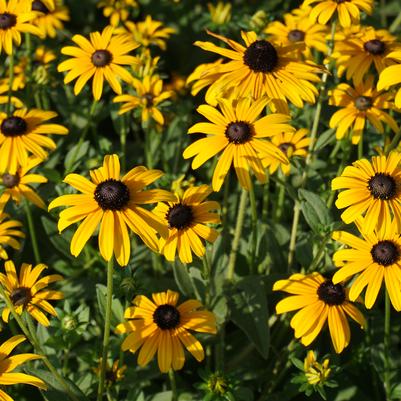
319, 254
254, 223
394, 143
36, 344
293, 238
360, 148
266, 196
174, 395
394, 26
280, 202
237, 235
387, 379
82, 137
148, 153
383, 17
208, 278
11, 81
106, 333
28, 44
32, 231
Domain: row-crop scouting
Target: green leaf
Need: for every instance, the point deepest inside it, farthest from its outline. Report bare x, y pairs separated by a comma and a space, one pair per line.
60, 242
182, 278
117, 310
325, 139
248, 305
74, 155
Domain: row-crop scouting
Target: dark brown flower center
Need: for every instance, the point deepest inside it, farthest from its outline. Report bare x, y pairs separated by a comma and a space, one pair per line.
342, 1
10, 180
179, 216
296, 35
284, 147
7, 21
375, 47
21, 296
382, 186
166, 317
112, 195
331, 294
238, 132
363, 103
261, 56
37, 5
385, 253
101, 58
13, 126
148, 99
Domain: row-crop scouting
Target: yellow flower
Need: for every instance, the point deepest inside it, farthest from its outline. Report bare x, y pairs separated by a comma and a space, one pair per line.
291, 144
117, 10
373, 189
147, 33
319, 301
24, 133
239, 133
9, 363
114, 373
360, 104
113, 203
392, 75
147, 64
163, 327
179, 185
187, 218
220, 13
15, 17
375, 257
360, 50
17, 185
8, 230
262, 68
51, 15
316, 373
348, 11
17, 103
100, 58
149, 98
28, 292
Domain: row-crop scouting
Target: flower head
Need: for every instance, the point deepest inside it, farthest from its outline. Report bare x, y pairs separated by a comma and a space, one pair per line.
316, 373
117, 10
8, 230
163, 326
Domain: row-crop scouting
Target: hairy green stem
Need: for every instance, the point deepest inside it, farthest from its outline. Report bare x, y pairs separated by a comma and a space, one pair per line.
10, 83
174, 395
254, 223
106, 333
387, 378
207, 273
32, 231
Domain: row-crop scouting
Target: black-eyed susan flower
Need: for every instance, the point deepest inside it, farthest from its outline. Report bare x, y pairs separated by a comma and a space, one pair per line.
299, 29
113, 203
163, 326
51, 16
117, 10
186, 219
15, 18
363, 48
149, 98
391, 75
23, 133
17, 185
348, 11
114, 373
262, 68
316, 373
360, 104
9, 229
28, 292
319, 301
9, 363
372, 258
101, 58
148, 33
291, 144
373, 190
239, 134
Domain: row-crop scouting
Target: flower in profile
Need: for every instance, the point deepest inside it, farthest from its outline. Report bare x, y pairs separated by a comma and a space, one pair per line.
262, 68
28, 292
8, 230
17, 185
15, 18
375, 257
316, 373
24, 133
186, 219
50, 16
348, 11
362, 49
149, 98
114, 373
163, 326
220, 13
101, 58
391, 75
239, 134
148, 33
291, 144
319, 301
298, 28
117, 10
359, 105
9, 363
373, 190
113, 203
